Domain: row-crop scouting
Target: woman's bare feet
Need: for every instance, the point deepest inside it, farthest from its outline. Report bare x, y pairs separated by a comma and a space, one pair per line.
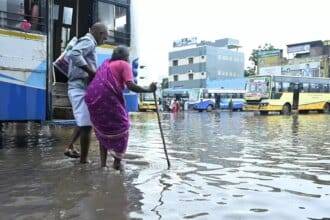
117, 164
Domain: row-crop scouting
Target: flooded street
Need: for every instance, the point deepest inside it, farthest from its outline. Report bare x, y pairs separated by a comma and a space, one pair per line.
224, 166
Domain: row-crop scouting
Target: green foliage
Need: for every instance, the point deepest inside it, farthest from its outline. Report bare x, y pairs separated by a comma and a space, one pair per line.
251, 71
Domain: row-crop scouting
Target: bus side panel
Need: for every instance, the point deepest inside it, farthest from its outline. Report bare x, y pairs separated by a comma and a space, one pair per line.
313, 101
22, 76
21, 103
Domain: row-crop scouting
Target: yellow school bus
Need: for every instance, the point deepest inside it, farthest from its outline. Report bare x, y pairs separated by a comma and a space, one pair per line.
284, 93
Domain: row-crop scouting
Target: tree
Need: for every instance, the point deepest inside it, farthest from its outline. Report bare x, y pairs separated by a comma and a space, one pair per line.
251, 71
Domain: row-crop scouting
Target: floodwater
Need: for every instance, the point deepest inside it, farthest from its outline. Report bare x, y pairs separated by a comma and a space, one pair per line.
224, 166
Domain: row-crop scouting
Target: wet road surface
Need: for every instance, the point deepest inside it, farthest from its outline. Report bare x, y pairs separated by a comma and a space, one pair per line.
224, 166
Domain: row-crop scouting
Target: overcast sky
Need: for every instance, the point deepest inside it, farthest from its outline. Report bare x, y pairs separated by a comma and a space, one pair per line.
252, 22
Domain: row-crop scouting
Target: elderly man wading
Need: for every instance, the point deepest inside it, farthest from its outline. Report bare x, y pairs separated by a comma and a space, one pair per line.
82, 70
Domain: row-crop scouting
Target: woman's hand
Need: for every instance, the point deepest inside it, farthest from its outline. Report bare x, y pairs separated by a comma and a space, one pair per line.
153, 87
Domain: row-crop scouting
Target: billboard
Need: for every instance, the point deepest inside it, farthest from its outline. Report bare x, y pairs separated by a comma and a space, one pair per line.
309, 69
269, 58
304, 48
271, 70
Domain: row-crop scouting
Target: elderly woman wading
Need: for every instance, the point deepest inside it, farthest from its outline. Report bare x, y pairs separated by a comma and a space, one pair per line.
106, 104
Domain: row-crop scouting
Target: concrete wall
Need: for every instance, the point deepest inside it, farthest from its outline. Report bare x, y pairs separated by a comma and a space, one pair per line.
224, 63
316, 51
185, 53
195, 67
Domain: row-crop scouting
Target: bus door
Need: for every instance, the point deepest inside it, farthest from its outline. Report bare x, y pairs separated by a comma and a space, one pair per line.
70, 18
296, 91
64, 28
217, 98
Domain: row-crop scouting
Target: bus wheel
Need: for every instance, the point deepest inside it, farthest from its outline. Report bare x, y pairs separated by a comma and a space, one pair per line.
209, 108
263, 113
326, 108
286, 109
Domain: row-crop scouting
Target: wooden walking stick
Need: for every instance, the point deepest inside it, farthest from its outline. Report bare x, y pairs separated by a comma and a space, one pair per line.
161, 131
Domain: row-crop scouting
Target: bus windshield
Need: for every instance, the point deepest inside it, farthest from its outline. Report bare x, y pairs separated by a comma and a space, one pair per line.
194, 94
256, 85
147, 97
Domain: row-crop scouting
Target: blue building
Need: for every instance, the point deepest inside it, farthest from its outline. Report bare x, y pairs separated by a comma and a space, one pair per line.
217, 64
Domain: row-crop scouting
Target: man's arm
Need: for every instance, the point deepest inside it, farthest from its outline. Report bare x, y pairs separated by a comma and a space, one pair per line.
77, 54
89, 70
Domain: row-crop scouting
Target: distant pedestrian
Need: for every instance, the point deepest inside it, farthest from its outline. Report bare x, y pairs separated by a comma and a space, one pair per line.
177, 106
173, 105
230, 104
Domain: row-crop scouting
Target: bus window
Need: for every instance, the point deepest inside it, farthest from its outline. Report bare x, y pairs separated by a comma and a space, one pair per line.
225, 96
291, 87
305, 87
235, 96
193, 95
286, 86
313, 88
23, 15
320, 88
278, 87
115, 17
273, 87
326, 88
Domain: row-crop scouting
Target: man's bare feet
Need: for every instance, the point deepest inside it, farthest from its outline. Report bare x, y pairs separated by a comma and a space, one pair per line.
71, 152
85, 161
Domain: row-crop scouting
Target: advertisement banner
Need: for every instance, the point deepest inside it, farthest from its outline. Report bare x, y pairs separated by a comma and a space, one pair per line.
271, 70
310, 69
305, 48
269, 58
269, 53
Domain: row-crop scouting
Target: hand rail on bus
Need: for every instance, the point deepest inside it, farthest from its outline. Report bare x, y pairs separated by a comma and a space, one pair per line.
25, 15
40, 22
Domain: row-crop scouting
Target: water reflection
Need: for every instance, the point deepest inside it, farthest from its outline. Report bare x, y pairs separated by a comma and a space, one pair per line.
224, 166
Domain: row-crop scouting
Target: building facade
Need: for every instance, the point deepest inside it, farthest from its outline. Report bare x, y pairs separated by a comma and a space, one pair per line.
205, 64
309, 59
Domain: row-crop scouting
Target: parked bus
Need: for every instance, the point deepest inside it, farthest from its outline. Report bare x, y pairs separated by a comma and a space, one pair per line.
284, 93
147, 102
33, 34
209, 99
183, 95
